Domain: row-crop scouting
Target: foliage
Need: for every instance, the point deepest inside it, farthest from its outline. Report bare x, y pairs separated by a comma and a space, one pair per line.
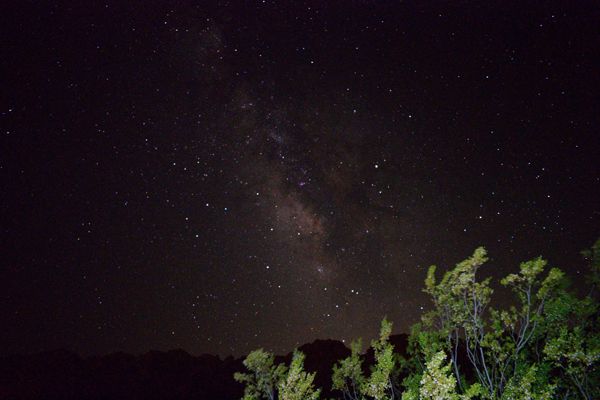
531, 385
379, 384
298, 384
494, 341
438, 383
347, 374
544, 345
263, 378
575, 353
592, 255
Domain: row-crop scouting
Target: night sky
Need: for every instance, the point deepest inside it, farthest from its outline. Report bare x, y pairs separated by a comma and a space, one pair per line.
223, 176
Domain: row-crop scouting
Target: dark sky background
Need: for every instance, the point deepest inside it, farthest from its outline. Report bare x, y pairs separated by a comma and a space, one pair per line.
221, 176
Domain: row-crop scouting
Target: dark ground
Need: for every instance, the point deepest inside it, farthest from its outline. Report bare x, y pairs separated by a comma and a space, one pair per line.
154, 375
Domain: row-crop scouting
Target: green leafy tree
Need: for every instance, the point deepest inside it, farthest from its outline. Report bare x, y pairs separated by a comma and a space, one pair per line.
298, 384
576, 355
515, 331
348, 375
263, 377
592, 256
412, 384
379, 385
494, 341
545, 345
532, 385
571, 344
438, 382
459, 303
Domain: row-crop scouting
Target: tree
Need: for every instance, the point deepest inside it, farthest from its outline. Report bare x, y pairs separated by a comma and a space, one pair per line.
532, 385
459, 304
576, 355
572, 341
263, 378
298, 384
379, 384
592, 255
347, 374
438, 382
494, 342
545, 345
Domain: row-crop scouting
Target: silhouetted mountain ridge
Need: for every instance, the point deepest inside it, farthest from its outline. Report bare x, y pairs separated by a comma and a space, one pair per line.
173, 374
